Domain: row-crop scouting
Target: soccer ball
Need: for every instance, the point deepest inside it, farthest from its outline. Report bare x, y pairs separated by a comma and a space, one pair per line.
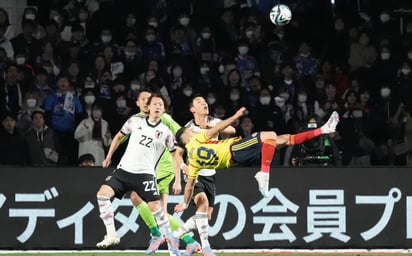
280, 15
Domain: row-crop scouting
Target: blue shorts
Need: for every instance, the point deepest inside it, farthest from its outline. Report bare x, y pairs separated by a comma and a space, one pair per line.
247, 151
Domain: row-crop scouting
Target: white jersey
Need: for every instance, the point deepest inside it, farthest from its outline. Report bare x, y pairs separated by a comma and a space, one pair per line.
147, 143
194, 127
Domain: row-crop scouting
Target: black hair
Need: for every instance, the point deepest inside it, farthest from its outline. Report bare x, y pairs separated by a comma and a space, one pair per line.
178, 137
158, 95
85, 158
194, 96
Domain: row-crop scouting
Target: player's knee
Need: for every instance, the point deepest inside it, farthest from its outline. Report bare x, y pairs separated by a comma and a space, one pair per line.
105, 191
201, 201
135, 198
268, 135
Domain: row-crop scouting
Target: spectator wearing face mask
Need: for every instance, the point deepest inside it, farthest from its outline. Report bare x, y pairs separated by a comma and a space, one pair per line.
131, 58
303, 108
306, 64
93, 135
206, 45
383, 110
88, 99
152, 47
245, 63
268, 115
24, 118
236, 99
384, 69
208, 79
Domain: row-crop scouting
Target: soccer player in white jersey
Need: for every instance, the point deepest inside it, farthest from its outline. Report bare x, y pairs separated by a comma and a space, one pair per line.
205, 190
149, 137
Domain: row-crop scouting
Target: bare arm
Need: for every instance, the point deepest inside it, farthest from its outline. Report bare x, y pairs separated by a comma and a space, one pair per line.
113, 147
219, 127
228, 131
177, 162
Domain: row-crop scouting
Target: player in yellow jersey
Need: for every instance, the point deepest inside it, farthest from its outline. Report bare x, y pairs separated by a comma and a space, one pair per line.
202, 152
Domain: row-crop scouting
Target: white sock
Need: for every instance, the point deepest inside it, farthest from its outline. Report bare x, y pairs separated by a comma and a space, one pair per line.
202, 224
188, 226
162, 221
107, 214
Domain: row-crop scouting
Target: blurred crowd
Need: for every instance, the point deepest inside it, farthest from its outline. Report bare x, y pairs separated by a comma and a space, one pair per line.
74, 68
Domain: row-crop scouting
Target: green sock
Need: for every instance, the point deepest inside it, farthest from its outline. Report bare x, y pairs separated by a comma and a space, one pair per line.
175, 225
148, 219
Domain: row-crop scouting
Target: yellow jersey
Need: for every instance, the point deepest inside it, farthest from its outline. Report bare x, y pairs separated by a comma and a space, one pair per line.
204, 153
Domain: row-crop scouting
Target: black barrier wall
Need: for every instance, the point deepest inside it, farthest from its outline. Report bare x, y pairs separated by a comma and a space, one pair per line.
52, 208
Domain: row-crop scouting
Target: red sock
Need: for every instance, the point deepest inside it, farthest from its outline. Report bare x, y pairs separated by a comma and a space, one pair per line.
302, 137
268, 151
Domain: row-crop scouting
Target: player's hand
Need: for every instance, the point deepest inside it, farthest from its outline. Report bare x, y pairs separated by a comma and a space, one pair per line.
185, 169
106, 163
179, 208
240, 112
177, 188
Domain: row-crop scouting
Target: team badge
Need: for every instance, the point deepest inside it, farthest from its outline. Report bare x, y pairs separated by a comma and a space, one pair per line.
158, 134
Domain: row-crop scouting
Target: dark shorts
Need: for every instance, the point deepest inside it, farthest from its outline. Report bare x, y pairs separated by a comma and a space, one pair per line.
206, 184
247, 151
143, 184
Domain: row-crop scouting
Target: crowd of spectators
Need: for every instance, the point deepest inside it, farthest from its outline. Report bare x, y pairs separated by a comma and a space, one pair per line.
72, 73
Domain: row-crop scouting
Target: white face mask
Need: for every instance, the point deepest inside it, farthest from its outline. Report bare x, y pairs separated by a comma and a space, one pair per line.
89, 99
302, 97
121, 103
264, 100
89, 83
129, 54
30, 16
406, 71
177, 72
385, 92
135, 86
184, 21
206, 35
234, 96
106, 38
384, 17
153, 24
385, 55
221, 69
249, 33
20, 60
211, 100
150, 37
187, 92
97, 113
357, 113
31, 103
204, 70
243, 50
279, 102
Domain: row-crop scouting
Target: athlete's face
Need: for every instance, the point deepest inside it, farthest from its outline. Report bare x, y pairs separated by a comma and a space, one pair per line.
142, 101
156, 107
200, 106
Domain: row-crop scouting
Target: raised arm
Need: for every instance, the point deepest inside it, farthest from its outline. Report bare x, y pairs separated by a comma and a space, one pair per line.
219, 127
113, 147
